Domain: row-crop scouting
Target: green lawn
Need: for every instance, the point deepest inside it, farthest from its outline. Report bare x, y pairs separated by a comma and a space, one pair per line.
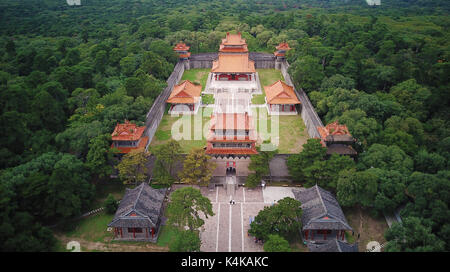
266, 77
259, 99
196, 75
164, 132
93, 228
269, 76
208, 99
291, 134
165, 235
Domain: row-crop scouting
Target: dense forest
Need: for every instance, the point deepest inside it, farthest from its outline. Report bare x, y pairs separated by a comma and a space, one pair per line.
68, 74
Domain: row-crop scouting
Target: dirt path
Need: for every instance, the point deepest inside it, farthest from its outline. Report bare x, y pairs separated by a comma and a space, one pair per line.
112, 247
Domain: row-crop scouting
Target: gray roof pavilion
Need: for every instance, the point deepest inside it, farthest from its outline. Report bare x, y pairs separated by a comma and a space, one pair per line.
139, 208
321, 211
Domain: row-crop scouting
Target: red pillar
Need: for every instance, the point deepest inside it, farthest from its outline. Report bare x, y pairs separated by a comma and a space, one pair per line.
325, 235
134, 233
312, 235
121, 233
153, 232
306, 234
343, 234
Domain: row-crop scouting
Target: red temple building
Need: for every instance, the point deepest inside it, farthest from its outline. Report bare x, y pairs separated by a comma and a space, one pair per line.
231, 135
337, 139
282, 48
182, 50
185, 98
233, 44
233, 62
281, 99
128, 136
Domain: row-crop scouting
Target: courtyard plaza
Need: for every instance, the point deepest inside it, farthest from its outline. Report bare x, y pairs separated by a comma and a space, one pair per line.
227, 230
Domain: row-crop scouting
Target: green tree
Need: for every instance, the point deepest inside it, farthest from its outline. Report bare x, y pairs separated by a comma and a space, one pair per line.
10, 47
110, 204
185, 207
429, 162
260, 163
391, 189
413, 97
99, 155
276, 243
252, 180
69, 191
101, 60
128, 65
134, 87
387, 157
312, 151
282, 218
167, 155
185, 241
356, 188
132, 168
412, 236
197, 167
337, 81
307, 73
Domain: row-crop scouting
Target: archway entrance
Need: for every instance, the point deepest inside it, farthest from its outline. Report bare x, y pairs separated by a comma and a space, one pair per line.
231, 168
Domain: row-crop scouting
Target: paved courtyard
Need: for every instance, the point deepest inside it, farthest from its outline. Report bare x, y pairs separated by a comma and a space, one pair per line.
227, 230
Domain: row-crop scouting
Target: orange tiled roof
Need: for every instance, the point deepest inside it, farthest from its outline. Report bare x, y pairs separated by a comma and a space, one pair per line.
280, 93
233, 39
185, 55
185, 93
283, 46
127, 132
233, 64
181, 47
227, 49
333, 129
231, 121
124, 150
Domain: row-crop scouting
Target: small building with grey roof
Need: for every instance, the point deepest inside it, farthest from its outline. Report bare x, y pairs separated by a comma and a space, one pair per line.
322, 217
334, 245
138, 217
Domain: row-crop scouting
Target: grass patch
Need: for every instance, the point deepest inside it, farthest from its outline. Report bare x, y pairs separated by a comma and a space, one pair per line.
93, 228
164, 132
167, 233
259, 99
196, 75
268, 76
162, 135
291, 134
370, 228
208, 99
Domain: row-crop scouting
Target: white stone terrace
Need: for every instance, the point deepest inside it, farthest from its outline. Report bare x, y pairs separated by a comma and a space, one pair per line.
218, 86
